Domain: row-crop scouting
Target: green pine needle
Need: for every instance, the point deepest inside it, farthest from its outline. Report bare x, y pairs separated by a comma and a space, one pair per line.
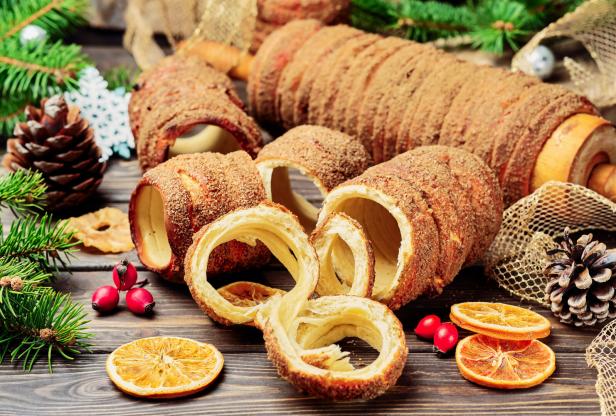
501, 24
22, 191
492, 25
39, 240
34, 71
39, 71
55, 16
11, 112
35, 320
120, 77
45, 323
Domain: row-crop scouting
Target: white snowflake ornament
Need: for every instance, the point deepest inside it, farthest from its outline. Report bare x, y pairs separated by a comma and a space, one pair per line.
106, 111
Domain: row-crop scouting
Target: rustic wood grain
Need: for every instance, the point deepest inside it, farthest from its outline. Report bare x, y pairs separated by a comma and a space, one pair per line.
249, 384
177, 314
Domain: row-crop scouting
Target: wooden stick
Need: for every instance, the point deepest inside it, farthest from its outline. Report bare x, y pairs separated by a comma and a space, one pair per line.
603, 180
223, 57
580, 151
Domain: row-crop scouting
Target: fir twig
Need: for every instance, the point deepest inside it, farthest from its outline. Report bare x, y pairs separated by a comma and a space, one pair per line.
38, 240
120, 77
35, 320
55, 16
44, 323
22, 191
38, 71
492, 25
11, 112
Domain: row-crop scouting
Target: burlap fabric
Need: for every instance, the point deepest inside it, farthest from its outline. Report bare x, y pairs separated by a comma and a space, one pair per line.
593, 24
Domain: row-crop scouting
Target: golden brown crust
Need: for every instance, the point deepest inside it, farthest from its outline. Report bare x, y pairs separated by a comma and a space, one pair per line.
291, 78
339, 385
284, 11
300, 334
339, 227
179, 93
387, 93
447, 207
195, 190
270, 61
327, 155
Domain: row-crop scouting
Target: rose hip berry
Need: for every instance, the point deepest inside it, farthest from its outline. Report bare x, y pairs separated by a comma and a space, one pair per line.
105, 299
124, 275
427, 327
445, 338
140, 301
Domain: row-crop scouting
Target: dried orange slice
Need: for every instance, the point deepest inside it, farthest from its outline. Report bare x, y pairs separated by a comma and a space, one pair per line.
504, 364
500, 320
163, 367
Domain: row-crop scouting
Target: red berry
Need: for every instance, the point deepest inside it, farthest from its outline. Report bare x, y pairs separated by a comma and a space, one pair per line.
445, 337
139, 301
105, 298
427, 326
124, 275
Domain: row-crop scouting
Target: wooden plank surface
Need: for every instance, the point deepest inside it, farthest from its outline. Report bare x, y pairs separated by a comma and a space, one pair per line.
249, 383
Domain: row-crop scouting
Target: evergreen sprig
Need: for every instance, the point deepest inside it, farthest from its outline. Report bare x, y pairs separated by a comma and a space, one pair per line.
120, 77
35, 320
40, 240
11, 113
22, 191
44, 323
38, 69
490, 25
55, 16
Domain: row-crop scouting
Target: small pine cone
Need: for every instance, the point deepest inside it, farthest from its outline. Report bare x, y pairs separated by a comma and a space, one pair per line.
5, 281
582, 285
56, 141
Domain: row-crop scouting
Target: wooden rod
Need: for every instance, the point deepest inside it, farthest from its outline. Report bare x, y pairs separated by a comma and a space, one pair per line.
223, 57
580, 150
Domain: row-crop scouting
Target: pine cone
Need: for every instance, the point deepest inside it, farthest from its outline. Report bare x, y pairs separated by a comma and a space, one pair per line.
56, 141
582, 286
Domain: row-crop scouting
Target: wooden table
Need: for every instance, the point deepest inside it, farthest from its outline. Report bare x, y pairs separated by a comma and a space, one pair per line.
249, 383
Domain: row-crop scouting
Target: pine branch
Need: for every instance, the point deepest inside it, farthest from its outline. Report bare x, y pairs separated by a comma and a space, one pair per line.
39, 71
38, 240
55, 16
120, 77
44, 323
502, 23
11, 112
22, 191
35, 320
492, 25
18, 277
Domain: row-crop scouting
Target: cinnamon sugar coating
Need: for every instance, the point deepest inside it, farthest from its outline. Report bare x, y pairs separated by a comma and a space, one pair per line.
195, 190
179, 93
395, 95
327, 155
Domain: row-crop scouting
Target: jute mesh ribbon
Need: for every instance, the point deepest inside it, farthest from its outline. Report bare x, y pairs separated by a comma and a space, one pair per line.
517, 258
593, 24
601, 354
226, 22
532, 225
